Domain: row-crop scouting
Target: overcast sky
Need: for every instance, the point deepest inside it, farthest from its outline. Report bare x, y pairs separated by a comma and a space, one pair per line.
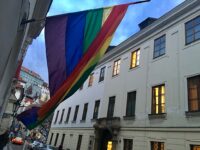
36, 58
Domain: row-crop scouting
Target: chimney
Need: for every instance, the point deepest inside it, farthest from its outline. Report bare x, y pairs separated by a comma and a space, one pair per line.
147, 22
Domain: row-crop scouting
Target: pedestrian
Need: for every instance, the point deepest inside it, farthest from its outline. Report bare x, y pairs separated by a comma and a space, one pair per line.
60, 147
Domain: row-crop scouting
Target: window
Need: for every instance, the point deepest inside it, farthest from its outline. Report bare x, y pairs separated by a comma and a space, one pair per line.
76, 113
159, 47
158, 99
194, 93
68, 114
195, 147
61, 118
91, 143
111, 106
116, 67
56, 117
102, 73
91, 79
130, 106
51, 139
157, 145
128, 144
78, 147
96, 109
85, 111
55, 143
63, 139
192, 30
81, 87
135, 58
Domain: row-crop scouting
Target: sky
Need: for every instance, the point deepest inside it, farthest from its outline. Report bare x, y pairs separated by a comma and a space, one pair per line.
35, 58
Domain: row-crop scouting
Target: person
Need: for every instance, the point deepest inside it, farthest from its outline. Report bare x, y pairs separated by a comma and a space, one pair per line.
60, 147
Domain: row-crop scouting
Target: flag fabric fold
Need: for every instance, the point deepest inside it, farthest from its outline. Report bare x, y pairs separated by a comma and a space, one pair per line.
75, 43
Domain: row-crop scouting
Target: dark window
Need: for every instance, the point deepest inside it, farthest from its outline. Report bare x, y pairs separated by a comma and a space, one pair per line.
158, 99
78, 147
76, 113
91, 79
102, 73
157, 145
96, 109
61, 118
81, 87
85, 111
68, 114
159, 47
130, 106
194, 93
51, 139
192, 30
55, 143
63, 139
111, 106
135, 58
116, 67
56, 117
128, 144
194, 147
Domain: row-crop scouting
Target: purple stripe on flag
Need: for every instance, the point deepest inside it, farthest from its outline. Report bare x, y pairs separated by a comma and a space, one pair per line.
55, 36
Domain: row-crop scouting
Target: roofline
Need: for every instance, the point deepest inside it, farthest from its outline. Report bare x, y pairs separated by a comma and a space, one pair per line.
167, 20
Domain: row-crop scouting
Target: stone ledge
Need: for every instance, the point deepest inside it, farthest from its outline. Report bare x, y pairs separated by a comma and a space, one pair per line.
189, 114
157, 116
129, 117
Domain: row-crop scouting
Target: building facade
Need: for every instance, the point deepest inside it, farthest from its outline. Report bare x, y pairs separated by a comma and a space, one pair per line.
143, 95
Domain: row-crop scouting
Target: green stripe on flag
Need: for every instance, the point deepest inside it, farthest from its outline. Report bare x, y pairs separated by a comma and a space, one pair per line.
92, 27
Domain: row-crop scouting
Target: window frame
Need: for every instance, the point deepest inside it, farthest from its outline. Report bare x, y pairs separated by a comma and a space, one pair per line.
85, 110
61, 118
91, 79
111, 107
160, 43
136, 60
159, 145
153, 103
96, 113
125, 144
198, 93
57, 114
76, 113
116, 67
193, 32
128, 104
102, 75
68, 115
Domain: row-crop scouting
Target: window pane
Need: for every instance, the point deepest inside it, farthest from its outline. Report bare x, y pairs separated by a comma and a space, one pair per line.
189, 39
197, 36
159, 46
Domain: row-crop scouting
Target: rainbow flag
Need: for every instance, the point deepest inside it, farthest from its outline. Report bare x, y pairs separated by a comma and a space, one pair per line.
75, 43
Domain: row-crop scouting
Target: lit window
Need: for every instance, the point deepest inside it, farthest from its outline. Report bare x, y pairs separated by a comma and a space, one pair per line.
159, 47
109, 145
116, 67
194, 93
158, 99
135, 58
91, 78
157, 145
195, 147
192, 30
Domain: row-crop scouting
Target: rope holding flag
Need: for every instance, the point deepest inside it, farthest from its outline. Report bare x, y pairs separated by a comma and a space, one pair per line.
75, 43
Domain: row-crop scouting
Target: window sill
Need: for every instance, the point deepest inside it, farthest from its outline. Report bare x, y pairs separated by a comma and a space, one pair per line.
129, 117
93, 120
157, 116
134, 68
158, 58
60, 122
82, 121
115, 76
189, 114
73, 121
66, 122
191, 44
